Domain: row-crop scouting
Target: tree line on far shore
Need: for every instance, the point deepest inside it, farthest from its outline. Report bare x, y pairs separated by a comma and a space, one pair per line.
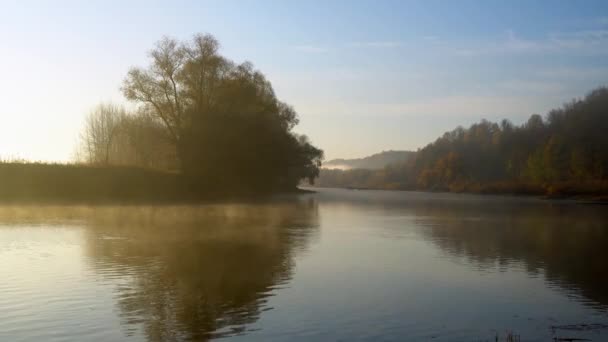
566, 152
217, 123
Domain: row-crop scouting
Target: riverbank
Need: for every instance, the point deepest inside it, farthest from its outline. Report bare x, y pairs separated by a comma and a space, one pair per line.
588, 190
62, 182
592, 192
40, 182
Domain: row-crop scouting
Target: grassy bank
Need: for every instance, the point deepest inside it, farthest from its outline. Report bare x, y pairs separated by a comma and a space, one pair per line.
34, 182
40, 182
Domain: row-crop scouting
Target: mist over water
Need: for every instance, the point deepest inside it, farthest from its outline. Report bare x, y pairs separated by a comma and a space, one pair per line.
338, 264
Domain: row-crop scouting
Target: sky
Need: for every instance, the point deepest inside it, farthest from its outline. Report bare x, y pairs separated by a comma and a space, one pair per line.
364, 76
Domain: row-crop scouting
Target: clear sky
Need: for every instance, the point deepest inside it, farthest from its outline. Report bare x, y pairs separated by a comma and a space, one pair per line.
364, 76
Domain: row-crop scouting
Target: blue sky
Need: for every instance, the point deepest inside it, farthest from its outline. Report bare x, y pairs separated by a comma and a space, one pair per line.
364, 76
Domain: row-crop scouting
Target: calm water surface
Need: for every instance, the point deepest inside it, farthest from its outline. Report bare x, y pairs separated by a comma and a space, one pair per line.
335, 265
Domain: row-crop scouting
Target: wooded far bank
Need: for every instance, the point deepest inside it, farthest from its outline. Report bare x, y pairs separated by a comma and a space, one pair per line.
563, 154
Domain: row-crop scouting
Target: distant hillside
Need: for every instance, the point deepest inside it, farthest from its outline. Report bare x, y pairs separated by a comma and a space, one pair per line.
564, 154
375, 161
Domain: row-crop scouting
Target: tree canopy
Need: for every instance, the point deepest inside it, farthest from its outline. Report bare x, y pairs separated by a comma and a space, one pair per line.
227, 127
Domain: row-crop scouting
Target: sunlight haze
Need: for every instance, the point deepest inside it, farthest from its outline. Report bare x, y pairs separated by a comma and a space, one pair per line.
364, 78
303, 171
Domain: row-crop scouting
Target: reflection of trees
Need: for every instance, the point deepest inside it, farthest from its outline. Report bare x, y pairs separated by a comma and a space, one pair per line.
198, 272
566, 242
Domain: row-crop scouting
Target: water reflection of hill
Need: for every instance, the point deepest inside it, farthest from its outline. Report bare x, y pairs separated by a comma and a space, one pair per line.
192, 273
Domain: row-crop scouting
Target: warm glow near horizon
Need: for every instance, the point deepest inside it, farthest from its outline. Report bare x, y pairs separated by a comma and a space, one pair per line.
374, 78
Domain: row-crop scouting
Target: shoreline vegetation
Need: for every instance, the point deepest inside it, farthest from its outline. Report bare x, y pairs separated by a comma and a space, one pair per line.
205, 127
24, 182
202, 127
561, 155
592, 192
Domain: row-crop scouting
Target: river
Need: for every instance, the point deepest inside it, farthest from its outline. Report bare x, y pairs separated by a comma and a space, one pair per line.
333, 265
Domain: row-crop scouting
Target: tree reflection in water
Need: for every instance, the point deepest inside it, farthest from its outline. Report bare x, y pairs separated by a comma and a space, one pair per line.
197, 272
563, 241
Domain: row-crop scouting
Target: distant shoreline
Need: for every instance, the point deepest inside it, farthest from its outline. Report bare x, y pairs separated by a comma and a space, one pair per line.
63, 183
583, 199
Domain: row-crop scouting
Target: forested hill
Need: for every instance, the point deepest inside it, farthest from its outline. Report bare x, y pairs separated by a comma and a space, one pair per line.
563, 153
375, 161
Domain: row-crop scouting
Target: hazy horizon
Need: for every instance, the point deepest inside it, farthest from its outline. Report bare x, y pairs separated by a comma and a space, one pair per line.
364, 78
